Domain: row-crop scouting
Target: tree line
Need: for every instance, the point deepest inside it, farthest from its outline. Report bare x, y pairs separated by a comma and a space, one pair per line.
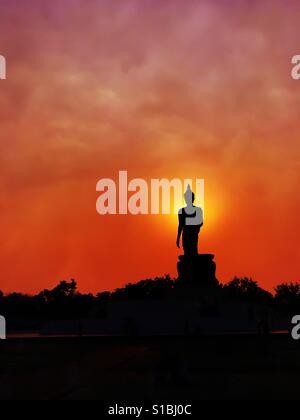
66, 302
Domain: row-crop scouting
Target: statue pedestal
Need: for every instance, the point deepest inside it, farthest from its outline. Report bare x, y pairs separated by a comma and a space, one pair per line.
197, 271
197, 281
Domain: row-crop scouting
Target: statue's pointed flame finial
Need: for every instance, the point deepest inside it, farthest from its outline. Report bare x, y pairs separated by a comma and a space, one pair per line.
188, 195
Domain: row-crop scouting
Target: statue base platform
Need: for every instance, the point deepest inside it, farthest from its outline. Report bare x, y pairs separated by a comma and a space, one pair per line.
197, 279
197, 271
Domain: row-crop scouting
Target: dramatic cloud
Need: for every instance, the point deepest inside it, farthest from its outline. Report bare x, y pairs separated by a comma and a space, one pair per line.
162, 89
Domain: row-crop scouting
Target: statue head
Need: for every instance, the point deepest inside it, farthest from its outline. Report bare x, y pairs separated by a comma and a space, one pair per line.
189, 196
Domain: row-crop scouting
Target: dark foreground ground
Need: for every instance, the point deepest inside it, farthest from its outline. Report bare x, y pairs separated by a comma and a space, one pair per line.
177, 368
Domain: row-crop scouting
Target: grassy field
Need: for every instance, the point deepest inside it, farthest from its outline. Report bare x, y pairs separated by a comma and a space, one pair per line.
178, 368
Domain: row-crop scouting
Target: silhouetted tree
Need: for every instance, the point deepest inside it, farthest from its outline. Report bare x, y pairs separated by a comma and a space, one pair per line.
65, 302
103, 296
287, 297
63, 291
145, 289
246, 289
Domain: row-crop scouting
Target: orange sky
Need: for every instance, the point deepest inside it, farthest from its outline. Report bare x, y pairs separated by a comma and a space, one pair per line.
196, 89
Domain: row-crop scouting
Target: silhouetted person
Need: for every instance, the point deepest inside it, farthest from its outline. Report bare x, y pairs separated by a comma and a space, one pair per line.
190, 223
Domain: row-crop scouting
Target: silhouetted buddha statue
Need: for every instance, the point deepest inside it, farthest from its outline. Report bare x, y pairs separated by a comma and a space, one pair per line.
190, 223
